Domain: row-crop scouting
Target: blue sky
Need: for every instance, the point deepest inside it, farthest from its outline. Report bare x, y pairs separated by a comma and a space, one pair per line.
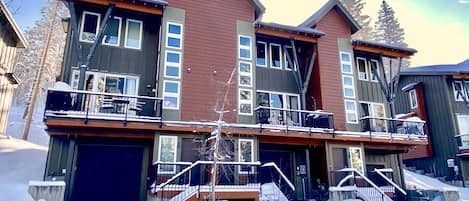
27, 11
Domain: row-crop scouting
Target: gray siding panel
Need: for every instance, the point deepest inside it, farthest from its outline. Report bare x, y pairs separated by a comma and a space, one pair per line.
370, 91
275, 80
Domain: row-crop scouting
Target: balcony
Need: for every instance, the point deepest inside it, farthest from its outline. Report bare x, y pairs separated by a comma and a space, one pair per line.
291, 119
380, 127
463, 142
87, 105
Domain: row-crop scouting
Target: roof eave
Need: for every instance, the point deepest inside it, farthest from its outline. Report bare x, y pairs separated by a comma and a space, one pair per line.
22, 42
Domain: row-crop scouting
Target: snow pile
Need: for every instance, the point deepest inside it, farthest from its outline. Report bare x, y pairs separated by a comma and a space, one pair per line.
417, 181
20, 161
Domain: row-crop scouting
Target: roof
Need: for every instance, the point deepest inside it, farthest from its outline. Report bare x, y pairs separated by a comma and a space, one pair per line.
303, 30
322, 7
443, 69
384, 45
22, 42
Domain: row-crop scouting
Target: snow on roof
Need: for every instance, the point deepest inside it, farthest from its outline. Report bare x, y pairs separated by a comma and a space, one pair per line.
299, 29
443, 69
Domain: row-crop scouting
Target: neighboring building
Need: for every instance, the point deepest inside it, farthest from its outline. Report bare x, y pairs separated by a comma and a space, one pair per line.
303, 97
439, 94
11, 39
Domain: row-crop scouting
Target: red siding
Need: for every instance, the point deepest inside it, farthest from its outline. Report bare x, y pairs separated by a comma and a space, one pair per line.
210, 44
332, 99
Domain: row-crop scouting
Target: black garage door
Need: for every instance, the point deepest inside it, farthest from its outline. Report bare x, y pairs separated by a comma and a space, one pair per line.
108, 172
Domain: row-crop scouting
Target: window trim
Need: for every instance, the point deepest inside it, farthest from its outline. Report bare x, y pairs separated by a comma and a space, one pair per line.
459, 132
172, 94
83, 25
172, 64
280, 56
172, 35
239, 154
127, 33
265, 54
412, 106
346, 62
367, 74
377, 71
119, 33
455, 92
175, 138
245, 47
250, 102
348, 86
351, 111
244, 74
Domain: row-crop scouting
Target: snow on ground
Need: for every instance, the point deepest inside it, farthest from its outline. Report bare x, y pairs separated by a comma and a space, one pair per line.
20, 161
16, 123
418, 181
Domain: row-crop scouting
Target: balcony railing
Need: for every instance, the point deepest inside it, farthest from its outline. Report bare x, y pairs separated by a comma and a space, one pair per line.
291, 118
393, 127
105, 106
463, 141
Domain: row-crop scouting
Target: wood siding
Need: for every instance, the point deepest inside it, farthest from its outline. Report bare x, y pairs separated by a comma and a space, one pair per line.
210, 51
329, 73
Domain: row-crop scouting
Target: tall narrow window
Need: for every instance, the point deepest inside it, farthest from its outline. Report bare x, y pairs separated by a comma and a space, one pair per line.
245, 154
351, 111
89, 26
172, 64
346, 62
458, 90
244, 46
174, 35
171, 94
167, 153
261, 59
275, 56
356, 158
245, 102
113, 32
289, 53
374, 70
413, 99
362, 69
349, 90
133, 34
245, 74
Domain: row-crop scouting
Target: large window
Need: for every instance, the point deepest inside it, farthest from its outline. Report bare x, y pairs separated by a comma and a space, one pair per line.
106, 82
356, 158
373, 110
289, 53
172, 64
374, 70
463, 124
174, 35
113, 32
346, 62
261, 59
244, 46
349, 89
133, 34
458, 89
245, 154
362, 69
167, 153
284, 107
351, 111
89, 26
413, 99
245, 102
171, 94
275, 56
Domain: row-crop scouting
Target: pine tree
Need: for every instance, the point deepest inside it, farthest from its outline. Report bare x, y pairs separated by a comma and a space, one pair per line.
354, 7
387, 27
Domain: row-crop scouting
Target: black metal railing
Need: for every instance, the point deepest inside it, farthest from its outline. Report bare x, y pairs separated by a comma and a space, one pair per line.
294, 118
96, 105
271, 174
393, 127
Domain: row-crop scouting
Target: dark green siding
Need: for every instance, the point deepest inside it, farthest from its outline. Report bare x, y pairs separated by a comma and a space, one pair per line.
370, 91
269, 79
57, 157
440, 121
388, 160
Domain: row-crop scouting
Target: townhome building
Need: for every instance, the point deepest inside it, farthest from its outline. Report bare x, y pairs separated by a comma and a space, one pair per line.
183, 100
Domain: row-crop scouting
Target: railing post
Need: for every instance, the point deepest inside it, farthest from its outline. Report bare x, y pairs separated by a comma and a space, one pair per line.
160, 115
87, 106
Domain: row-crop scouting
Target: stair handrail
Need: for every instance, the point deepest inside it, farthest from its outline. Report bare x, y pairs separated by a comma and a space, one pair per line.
272, 164
367, 180
380, 173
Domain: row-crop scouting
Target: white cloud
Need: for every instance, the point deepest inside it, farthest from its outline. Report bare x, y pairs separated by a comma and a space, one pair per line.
463, 1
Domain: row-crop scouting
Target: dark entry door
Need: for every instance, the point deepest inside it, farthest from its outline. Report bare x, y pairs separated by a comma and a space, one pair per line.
108, 172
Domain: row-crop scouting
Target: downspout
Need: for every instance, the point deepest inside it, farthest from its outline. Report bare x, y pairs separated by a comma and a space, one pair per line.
158, 57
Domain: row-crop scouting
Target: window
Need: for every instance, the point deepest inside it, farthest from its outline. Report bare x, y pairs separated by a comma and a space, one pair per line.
106, 82
275, 56
463, 124
356, 158
458, 91
284, 105
289, 51
413, 99
351, 112
171, 94
373, 110
172, 64
261, 59
362, 69
349, 90
174, 35
113, 32
167, 153
245, 75
245, 102
89, 26
374, 70
245, 154
133, 34
346, 62
244, 45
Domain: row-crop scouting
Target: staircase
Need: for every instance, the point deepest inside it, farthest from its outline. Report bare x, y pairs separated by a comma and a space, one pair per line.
271, 192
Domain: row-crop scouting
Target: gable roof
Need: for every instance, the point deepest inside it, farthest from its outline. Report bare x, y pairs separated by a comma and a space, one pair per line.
322, 8
298, 29
18, 34
444, 69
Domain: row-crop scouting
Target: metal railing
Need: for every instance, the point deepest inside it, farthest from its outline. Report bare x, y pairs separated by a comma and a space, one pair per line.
463, 141
393, 127
294, 118
108, 106
280, 185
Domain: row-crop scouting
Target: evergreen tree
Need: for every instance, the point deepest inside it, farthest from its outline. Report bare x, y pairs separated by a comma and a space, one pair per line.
387, 27
354, 7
